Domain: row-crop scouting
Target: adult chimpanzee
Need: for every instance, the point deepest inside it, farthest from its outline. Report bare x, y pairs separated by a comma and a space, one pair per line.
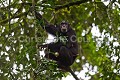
67, 48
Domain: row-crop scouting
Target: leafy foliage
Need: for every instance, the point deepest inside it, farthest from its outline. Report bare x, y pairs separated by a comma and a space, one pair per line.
97, 26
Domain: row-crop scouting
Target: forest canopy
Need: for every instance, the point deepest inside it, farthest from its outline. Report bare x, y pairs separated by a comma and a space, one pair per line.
96, 22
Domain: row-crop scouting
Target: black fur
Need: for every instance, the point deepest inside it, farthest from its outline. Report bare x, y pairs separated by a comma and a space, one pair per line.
67, 49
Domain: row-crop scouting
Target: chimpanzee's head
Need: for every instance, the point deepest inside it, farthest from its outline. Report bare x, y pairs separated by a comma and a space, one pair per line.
64, 27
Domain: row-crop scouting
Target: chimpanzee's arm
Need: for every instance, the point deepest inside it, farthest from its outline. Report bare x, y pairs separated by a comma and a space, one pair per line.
72, 42
45, 25
71, 38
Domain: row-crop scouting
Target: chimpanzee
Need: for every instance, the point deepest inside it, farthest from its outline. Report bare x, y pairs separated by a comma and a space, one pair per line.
67, 48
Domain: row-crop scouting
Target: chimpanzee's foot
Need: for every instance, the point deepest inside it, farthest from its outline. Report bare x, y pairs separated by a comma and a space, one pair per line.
63, 68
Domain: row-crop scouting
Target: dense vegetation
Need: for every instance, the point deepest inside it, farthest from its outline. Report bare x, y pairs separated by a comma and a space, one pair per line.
96, 22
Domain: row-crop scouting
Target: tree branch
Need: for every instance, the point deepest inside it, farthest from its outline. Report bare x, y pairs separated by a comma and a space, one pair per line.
70, 4
56, 8
17, 16
73, 74
68, 69
25, 3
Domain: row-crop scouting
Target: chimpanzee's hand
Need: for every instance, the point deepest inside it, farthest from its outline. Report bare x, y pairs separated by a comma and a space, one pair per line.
42, 46
69, 45
38, 15
32, 9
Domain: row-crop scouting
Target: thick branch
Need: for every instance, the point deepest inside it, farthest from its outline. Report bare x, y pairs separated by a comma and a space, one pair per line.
71, 4
73, 74
68, 69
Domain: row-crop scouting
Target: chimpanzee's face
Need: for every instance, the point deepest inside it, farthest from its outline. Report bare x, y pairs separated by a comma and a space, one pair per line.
64, 27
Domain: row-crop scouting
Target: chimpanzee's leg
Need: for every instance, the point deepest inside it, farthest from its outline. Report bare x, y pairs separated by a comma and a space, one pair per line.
51, 49
65, 57
54, 47
51, 56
